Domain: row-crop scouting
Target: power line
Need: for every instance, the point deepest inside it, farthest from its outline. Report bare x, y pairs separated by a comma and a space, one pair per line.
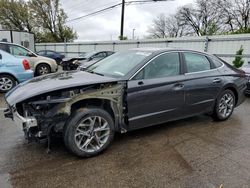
87, 9
112, 7
94, 13
91, 6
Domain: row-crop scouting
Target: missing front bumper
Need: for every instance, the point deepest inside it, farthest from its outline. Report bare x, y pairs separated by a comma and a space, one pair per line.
24, 123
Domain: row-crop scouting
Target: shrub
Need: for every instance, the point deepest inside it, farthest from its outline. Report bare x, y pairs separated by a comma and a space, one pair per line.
238, 61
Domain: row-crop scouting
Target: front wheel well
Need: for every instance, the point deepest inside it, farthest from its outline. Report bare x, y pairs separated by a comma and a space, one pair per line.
102, 103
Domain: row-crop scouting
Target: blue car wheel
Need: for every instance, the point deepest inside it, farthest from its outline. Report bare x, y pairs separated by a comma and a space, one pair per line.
7, 82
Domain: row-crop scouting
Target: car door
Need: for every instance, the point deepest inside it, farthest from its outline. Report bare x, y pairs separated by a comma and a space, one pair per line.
203, 83
156, 93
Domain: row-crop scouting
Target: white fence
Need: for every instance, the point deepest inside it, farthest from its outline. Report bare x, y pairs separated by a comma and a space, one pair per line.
225, 46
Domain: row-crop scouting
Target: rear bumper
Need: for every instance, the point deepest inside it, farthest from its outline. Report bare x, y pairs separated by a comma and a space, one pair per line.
248, 88
241, 95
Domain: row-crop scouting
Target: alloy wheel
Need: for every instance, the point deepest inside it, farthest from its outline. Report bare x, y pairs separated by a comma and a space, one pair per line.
226, 105
92, 133
6, 83
43, 70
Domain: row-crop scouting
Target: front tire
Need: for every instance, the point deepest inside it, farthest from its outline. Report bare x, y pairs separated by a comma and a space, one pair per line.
43, 69
88, 132
7, 82
224, 106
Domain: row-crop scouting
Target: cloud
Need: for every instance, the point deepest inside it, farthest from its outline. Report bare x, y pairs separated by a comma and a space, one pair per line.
106, 26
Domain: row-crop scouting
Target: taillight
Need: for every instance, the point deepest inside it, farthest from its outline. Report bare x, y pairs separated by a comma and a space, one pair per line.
26, 65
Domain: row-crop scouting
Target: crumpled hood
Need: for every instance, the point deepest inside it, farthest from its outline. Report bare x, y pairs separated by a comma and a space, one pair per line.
53, 82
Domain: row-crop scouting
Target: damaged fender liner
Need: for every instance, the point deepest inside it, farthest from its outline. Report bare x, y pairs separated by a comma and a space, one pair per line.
114, 93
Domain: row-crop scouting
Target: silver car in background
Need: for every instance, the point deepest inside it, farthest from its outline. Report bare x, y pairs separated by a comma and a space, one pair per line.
39, 64
246, 69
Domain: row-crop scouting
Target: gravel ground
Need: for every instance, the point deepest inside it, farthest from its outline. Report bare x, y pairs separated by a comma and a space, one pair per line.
195, 153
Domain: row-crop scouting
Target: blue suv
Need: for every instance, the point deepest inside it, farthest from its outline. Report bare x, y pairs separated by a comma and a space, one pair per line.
13, 70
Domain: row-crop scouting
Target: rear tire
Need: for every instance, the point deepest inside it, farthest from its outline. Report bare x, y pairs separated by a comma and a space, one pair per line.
224, 106
7, 82
88, 132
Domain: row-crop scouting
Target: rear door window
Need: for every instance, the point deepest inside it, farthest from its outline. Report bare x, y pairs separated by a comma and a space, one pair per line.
196, 62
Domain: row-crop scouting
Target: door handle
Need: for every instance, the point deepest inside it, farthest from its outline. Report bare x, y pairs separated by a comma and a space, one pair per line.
140, 83
178, 86
217, 80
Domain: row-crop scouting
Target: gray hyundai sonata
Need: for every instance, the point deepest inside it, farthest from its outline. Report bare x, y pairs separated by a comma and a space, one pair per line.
126, 91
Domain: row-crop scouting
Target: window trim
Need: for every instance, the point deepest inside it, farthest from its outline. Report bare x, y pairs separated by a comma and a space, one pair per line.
180, 62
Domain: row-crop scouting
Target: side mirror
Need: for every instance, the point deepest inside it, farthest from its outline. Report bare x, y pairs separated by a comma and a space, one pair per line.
91, 58
30, 54
0, 56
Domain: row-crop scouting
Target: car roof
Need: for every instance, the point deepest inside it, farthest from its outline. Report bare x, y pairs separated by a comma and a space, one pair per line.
9, 43
47, 51
15, 45
159, 50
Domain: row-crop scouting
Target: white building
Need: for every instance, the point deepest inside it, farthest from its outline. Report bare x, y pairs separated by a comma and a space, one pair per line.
23, 38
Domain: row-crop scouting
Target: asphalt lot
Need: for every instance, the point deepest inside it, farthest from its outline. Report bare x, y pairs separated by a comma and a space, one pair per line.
194, 153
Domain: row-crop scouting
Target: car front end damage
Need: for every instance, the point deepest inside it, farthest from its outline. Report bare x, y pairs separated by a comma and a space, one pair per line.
41, 115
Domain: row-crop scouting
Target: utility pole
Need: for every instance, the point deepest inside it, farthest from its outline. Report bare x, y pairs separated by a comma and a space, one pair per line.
122, 19
133, 35
123, 12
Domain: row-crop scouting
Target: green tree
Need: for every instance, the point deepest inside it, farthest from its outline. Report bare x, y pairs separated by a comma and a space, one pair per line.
123, 38
238, 61
16, 15
45, 18
52, 18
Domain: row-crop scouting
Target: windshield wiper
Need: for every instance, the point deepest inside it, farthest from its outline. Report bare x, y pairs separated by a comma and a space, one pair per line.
93, 72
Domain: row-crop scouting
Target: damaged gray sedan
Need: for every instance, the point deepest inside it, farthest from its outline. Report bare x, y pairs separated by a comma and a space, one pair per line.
126, 91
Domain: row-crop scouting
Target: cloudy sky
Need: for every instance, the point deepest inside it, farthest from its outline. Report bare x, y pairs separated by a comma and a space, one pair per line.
106, 26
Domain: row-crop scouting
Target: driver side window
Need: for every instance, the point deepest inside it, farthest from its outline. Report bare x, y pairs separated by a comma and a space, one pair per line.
162, 66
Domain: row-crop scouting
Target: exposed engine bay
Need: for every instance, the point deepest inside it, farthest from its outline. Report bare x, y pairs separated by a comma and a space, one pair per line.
47, 113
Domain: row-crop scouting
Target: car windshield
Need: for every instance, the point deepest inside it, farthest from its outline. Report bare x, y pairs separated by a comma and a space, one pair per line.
88, 54
118, 64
